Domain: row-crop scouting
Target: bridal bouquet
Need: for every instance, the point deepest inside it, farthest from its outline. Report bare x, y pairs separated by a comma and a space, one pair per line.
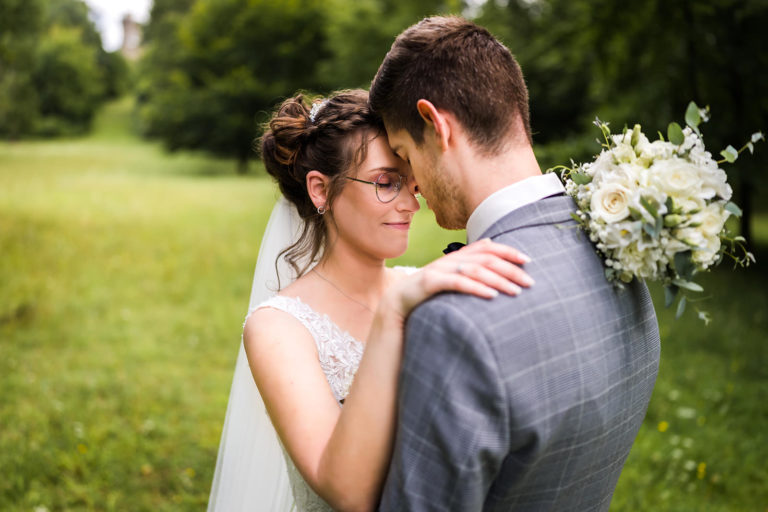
657, 210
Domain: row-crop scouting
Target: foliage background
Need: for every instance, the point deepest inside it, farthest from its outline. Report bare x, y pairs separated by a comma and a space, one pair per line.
125, 270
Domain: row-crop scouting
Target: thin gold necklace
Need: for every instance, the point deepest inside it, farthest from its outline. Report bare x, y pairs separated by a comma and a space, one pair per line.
321, 276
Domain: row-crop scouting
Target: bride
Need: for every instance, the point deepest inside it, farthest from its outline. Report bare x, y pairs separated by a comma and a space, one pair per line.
324, 351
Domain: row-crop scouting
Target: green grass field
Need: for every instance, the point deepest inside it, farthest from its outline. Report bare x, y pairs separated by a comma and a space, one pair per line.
124, 278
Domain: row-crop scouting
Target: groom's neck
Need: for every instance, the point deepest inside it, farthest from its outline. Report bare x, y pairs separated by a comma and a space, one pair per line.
485, 175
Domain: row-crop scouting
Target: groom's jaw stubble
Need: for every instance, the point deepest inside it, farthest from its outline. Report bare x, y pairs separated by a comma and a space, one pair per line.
445, 201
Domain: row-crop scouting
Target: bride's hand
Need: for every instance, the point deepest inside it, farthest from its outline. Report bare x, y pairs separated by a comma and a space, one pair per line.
483, 268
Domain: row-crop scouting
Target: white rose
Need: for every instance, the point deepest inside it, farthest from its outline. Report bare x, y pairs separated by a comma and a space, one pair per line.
711, 220
610, 202
707, 254
691, 236
677, 177
714, 181
689, 204
624, 154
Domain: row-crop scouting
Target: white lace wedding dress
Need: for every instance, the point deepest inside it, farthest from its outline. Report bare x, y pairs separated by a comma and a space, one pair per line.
253, 472
339, 354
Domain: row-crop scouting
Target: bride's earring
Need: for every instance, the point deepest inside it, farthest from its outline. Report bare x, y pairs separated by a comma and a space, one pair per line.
321, 209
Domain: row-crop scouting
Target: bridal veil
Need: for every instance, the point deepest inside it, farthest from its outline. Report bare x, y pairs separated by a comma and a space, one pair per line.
250, 469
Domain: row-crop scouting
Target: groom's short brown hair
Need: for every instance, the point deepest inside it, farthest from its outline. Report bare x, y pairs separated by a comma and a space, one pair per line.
460, 67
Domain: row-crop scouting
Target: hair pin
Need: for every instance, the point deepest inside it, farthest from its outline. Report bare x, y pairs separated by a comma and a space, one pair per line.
315, 109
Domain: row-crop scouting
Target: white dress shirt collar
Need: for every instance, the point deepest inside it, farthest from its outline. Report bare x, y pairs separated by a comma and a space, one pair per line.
510, 198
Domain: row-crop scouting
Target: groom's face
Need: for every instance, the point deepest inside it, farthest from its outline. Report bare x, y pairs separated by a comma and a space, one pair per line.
435, 180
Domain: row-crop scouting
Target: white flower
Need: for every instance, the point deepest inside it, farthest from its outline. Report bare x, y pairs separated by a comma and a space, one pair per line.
624, 154
610, 203
690, 236
620, 234
707, 254
677, 178
711, 220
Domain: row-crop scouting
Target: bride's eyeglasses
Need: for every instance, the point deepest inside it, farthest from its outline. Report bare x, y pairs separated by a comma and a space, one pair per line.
388, 185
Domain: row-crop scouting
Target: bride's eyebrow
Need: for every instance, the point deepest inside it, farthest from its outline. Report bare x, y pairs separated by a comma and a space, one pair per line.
380, 170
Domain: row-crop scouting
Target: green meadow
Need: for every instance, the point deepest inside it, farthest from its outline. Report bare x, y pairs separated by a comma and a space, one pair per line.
124, 278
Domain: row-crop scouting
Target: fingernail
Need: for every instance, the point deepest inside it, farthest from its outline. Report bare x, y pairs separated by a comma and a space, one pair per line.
527, 280
513, 289
493, 293
525, 258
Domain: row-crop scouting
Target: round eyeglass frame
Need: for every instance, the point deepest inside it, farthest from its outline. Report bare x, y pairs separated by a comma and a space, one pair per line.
398, 185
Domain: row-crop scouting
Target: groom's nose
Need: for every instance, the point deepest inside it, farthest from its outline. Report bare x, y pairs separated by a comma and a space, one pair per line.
413, 187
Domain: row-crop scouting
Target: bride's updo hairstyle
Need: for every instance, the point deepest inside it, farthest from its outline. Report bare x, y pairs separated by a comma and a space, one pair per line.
332, 139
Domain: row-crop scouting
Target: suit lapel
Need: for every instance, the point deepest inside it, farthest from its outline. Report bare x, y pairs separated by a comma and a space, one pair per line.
550, 210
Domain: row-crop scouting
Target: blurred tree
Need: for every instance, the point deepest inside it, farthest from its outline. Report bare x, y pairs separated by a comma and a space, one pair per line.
360, 33
548, 38
641, 64
112, 65
21, 22
164, 19
230, 62
651, 64
54, 73
117, 73
68, 81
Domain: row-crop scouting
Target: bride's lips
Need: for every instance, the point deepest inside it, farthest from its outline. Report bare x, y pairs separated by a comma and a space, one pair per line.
405, 225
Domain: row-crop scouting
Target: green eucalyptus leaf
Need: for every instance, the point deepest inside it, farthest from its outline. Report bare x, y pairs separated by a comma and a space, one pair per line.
580, 178
684, 264
650, 229
733, 208
675, 134
730, 154
692, 116
688, 285
670, 294
636, 214
680, 308
649, 206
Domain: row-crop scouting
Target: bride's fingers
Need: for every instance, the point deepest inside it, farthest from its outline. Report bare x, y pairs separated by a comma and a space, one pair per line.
503, 251
488, 277
472, 263
504, 268
436, 282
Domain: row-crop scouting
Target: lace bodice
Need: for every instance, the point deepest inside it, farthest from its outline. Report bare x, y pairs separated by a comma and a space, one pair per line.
339, 355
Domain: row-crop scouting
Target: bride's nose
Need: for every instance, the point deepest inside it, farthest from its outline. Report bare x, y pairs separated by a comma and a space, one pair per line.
408, 201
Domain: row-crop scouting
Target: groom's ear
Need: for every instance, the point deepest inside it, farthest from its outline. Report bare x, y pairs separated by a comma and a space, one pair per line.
317, 188
436, 121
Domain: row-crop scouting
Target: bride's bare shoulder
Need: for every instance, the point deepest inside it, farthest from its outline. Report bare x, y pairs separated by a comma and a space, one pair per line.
269, 326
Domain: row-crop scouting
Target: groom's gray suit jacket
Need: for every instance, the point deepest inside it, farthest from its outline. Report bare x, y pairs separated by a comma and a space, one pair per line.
529, 402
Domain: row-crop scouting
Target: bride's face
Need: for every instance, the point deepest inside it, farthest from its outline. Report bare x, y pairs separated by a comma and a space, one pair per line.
362, 221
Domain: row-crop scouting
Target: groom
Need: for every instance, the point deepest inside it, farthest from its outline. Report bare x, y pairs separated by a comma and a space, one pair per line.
517, 403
